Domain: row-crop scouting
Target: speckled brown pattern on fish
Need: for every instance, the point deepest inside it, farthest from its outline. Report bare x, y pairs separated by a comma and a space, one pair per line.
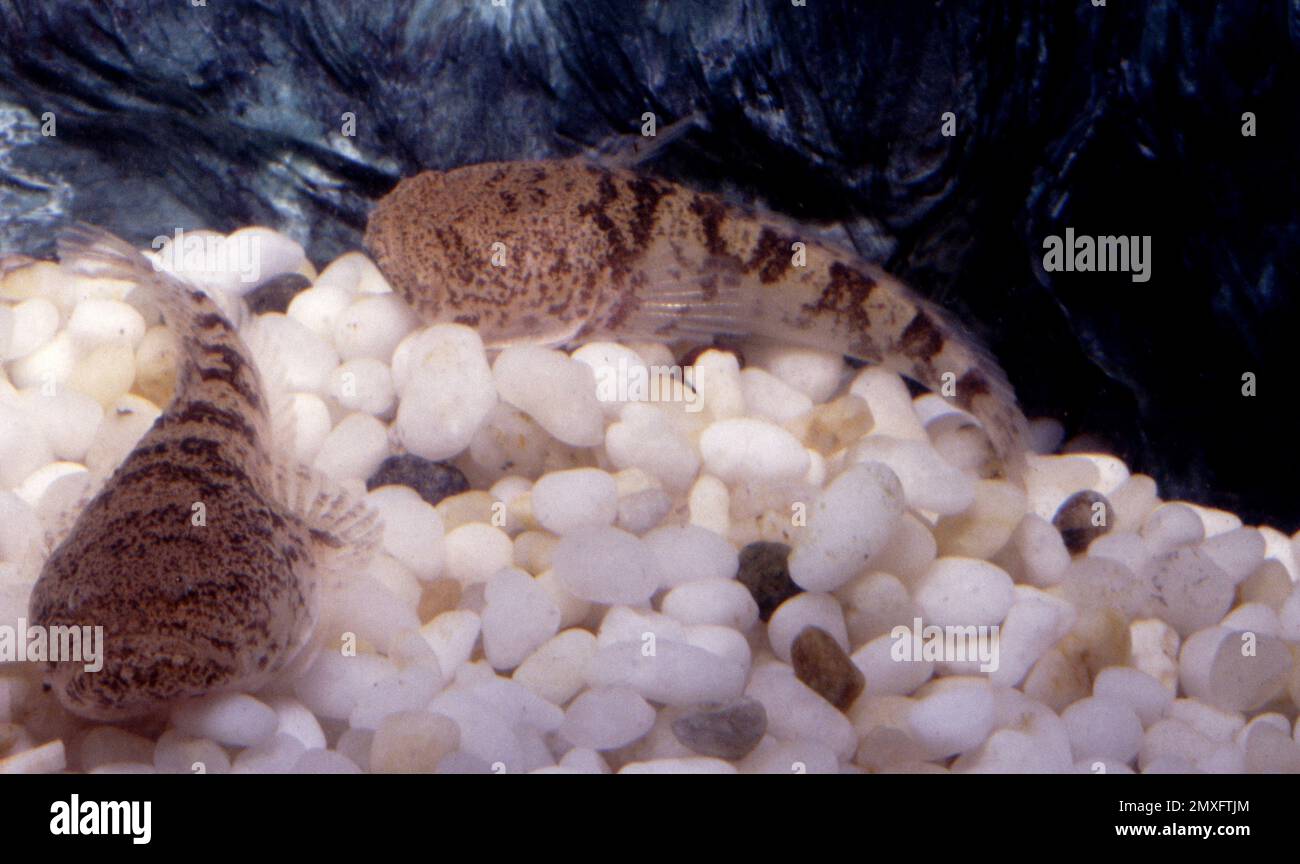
186, 608
594, 252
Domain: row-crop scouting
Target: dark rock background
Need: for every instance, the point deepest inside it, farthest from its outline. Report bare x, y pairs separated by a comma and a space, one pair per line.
1117, 120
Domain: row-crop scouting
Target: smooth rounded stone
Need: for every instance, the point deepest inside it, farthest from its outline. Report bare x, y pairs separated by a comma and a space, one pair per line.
319, 307
606, 565
619, 372
1082, 518
877, 602
577, 498
763, 570
748, 449
409, 688
793, 757
712, 601
304, 359
643, 438
802, 611
364, 607
1102, 728
311, 425
1029, 738
729, 731
584, 761
1270, 584
124, 768
475, 552
105, 373
334, 683
372, 326
234, 719
67, 418
821, 664
885, 673
1126, 547
952, 715
1238, 552
1102, 583
105, 322
1132, 501
666, 671
276, 755
265, 253
275, 294
35, 485
714, 376
1036, 621
1170, 526
964, 591
412, 742
106, 745
1282, 549
1269, 750
641, 510
518, 618
986, 525
928, 482
556, 391
1039, 555
556, 670
23, 448
814, 373
50, 364
689, 553
178, 753
1148, 698
697, 765
1052, 479
771, 398
155, 365
1234, 670
795, 712
433, 481
1189, 590
363, 384
848, 522
709, 504
322, 761
353, 449
606, 718
1170, 738
412, 529
1255, 618
452, 636
447, 390
35, 321
1214, 723
1216, 521
297, 721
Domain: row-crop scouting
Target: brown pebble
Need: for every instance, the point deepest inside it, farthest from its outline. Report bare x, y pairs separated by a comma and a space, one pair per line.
1077, 520
821, 663
729, 731
765, 571
438, 596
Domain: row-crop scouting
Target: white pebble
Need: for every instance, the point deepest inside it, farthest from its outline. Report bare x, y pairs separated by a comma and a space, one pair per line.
666, 671
452, 636
963, 592
712, 601
35, 321
643, 438
1102, 728
556, 671
475, 551
294, 719
518, 618
771, 398
749, 449
446, 391
577, 498
848, 522
929, 482
235, 719
335, 683
261, 253
605, 565
556, 391
303, 360
354, 449
23, 448
1036, 621
606, 718
886, 671
952, 715
319, 307
686, 553
796, 713
48, 365
101, 322
372, 326
1234, 670
1144, 694
412, 529
814, 373
890, 403
363, 384
68, 418
311, 425
619, 372
715, 377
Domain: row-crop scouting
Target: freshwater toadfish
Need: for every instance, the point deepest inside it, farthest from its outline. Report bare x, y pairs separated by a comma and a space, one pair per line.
559, 252
201, 555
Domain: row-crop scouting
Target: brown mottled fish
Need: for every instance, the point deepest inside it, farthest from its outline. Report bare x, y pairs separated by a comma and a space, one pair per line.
585, 252
200, 555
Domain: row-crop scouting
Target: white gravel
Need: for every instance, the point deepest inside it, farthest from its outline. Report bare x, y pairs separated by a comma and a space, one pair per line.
609, 593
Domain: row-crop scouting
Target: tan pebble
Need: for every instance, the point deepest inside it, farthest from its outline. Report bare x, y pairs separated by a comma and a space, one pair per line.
155, 365
438, 596
472, 506
838, 423
986, 526
1057, 681
533, 551
1100, 638
412, 742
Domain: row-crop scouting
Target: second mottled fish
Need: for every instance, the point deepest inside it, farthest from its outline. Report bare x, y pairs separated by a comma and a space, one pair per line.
568, 251
201, 554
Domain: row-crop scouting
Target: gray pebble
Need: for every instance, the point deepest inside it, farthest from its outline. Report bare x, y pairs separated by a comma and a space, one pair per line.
727, 731
1075, 520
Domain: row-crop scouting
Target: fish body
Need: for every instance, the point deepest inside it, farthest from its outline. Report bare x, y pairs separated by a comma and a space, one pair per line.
200, 555
567, 251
